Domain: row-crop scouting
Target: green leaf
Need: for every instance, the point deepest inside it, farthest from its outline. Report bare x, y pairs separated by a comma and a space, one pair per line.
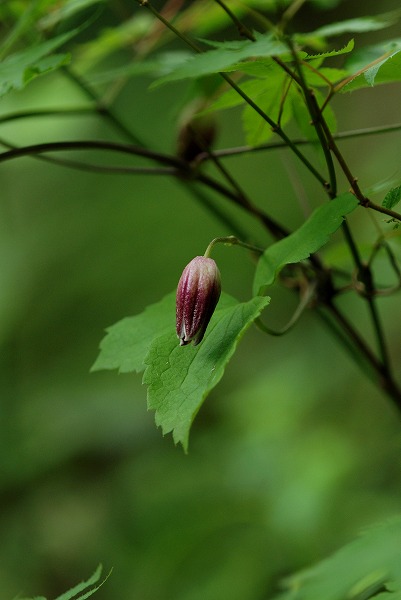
359, 570
358, 25
345, 50
179, 378
20, 68
392, 197
386, 71
257, 130
220, 59
164, 63
83, 587
127, 342
272, 79
303, 242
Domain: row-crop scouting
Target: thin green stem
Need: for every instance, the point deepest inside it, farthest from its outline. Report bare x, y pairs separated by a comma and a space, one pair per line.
344, 135
386, 380
265, 219
242, 29
299, 311
290, 13
276, 129
231, 240
275, 229
314, 112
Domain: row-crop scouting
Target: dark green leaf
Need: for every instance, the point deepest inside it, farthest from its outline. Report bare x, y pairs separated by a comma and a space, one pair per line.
220, 59
303, 242
357, 571
20, 68
127, 342
179, 378
158, 66
257, 130
392, 197
345, 50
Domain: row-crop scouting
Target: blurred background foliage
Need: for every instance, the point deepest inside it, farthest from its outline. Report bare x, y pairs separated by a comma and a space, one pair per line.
293, 453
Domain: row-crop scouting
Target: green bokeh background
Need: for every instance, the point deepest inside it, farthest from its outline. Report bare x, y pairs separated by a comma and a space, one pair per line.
292, 454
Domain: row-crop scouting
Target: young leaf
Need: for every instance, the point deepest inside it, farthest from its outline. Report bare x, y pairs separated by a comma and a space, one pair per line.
359, 570
303, 242
222, 58
256, 130
20, 68
127, 342
72, 594
392, 197
345, 50
364, 56
179, 378
385, 71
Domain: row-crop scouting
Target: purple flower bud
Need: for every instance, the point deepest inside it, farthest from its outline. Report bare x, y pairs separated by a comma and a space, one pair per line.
197, 295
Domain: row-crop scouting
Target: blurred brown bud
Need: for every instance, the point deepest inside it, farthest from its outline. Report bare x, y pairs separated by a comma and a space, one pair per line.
196, 134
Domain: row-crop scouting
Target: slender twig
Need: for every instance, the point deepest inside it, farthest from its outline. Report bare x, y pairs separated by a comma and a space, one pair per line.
302, 306
291, 11
386, 380
103, 109
265, 219
343, 135
314, 112
51, 112
381, 209
242, 29
93, 145
274, 228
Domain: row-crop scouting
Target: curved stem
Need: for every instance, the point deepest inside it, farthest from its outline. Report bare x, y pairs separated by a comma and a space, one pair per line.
303, 304
231, 240
242, 29
104, 110
275, 228
93, 145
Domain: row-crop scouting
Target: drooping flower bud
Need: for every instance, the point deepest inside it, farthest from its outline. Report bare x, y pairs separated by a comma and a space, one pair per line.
197, 295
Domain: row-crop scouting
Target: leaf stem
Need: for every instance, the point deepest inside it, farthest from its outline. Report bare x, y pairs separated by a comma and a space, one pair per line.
242, 29
231, 240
